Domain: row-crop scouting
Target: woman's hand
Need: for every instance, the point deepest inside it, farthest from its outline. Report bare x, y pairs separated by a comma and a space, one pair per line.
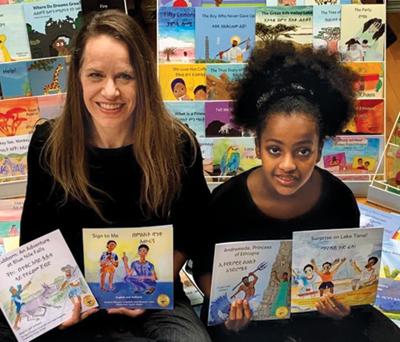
127, 312
239, 315
328, 305
76, 315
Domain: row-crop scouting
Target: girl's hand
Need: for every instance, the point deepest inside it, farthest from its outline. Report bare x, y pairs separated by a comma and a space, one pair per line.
329, 306
76, 315
127, 312
239, 315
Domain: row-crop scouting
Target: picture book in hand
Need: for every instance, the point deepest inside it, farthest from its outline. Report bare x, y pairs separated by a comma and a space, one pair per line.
256, 271
130, 267
39, 284
342, 262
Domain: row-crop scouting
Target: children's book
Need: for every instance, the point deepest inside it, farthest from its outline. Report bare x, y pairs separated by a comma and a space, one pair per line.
224, 35
8, 244
256, 271
18, 116
344, 262
51, 106
368, 119
232, 156
357, 155
14, 80
206, 147
176, 35
14, 43
130, 267
291, 23
13, 157
326, 27
10, 216
222, 80
51, 25
218, 120
183, 82
48, 76
191, 113
370, 82
232, 3
101, 5
40, 281
362, 32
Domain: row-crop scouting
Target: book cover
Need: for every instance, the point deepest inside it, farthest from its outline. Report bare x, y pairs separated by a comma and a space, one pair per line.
180, 3
51, 25
8, 244
370, 82
48, 76
18, 116
326, 27
130, 267
363, 32
368, 119
176, 32
291, 23
14, 80
51, 106
101, 5
257, 271
232, 156
191, 113
218, 120
224, 35
14, 43
344, 262
182, 82
10, 216
361, 153
232, 3
39, 283
222, 79
13, 157
206, 148
392, 155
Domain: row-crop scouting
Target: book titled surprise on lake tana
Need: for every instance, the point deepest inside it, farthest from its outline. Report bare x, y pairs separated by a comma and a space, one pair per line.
39, 283
130, 267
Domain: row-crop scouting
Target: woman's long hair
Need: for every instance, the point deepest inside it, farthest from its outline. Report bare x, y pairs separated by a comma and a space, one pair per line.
157, 137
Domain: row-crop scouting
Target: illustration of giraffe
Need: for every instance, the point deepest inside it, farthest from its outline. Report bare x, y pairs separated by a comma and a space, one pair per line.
54, 85
4, 54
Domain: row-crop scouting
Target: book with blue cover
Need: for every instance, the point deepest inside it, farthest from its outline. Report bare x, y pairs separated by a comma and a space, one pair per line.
191, 113
14, 80
326, 27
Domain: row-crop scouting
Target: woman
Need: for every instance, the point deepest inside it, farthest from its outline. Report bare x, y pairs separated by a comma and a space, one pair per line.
292, 100
116, 158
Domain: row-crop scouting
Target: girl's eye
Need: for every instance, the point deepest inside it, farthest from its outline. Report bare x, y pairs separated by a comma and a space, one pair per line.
274, 150
304, 152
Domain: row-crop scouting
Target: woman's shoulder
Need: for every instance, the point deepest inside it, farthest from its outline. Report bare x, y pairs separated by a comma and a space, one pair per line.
42, 132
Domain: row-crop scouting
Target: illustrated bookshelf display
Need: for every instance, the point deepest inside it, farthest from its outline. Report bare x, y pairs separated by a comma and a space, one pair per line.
203, 47
385, 191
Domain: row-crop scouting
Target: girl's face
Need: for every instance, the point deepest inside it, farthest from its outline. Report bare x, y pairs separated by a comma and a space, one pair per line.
289, 149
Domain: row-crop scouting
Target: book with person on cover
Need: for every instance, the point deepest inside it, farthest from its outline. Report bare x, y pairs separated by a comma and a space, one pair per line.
13, 158
256, 271
130, 267
39, 284
343, 262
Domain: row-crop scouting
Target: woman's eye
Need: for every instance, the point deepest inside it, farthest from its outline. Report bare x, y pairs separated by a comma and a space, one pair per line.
126, 77
95, 75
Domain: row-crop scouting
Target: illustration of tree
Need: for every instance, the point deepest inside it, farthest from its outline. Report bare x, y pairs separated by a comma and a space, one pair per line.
10, 121
273, 32
331, 36
42, 64
169, 51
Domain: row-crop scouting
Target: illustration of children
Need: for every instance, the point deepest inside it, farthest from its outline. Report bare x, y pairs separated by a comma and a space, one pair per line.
281, 299
108, 264
17, 300
72, 282
366, 165
200, 92
13, 231
178, 87
334, 161
360, 164
247, 286
307, 281
141, 274
366, 276
327, 273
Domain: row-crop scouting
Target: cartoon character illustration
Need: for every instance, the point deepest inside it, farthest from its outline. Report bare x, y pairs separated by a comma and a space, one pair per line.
54, 85
4, 54
247, 286
281, 299
72, 282
366, 276
141, 274
16, 299
60, 44
307, 281
108, 264
230, 161
354, 51
178, 87
235, 52
327, 273
220, 88
200, 92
